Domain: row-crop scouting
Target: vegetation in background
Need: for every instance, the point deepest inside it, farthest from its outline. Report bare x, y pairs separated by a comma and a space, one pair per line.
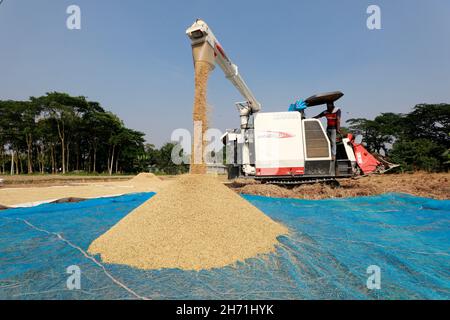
58, 133
160, 160
419, 140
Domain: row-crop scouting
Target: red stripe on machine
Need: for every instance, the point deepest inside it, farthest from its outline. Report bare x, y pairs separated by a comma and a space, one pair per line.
219, 48
280, 171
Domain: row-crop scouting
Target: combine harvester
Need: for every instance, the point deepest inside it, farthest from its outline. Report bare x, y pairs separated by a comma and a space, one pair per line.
281, 147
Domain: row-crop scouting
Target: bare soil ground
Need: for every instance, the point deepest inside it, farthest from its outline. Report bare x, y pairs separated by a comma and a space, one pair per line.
430, 185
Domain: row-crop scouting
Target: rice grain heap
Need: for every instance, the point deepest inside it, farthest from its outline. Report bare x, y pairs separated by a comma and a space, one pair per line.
194, 223
145, 178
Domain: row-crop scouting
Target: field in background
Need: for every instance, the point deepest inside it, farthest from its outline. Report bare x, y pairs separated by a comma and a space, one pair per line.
23, 181
52, 180
431, 185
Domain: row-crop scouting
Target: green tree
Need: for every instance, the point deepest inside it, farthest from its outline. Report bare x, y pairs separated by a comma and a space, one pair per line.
417, 140
127, 145
374, 137
165, 163
429, 121
12, 131
45, 132
30, 113
61, 109
420, 154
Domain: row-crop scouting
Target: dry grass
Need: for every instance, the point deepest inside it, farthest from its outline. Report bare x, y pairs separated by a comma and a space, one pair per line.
194, 223
435, 186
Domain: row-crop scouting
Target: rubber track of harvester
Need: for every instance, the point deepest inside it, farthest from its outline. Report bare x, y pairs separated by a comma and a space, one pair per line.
300, 182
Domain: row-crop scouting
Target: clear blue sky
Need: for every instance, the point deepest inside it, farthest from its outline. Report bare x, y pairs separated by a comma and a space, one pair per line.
134, 58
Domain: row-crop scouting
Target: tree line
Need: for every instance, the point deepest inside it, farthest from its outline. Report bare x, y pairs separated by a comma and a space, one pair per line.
419, 140
59, 133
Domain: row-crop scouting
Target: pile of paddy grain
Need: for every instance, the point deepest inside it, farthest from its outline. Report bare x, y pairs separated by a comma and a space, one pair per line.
195, 223
145, 177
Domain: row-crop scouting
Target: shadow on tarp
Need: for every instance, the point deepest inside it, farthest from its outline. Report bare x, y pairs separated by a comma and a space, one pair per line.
326, 256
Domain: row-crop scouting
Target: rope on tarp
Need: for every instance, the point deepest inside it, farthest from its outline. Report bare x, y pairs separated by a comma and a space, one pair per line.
84, 253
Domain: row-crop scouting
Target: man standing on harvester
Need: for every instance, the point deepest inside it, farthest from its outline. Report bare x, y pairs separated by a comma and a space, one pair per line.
333, 115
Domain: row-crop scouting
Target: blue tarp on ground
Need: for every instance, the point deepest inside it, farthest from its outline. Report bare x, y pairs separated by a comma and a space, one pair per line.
326, 256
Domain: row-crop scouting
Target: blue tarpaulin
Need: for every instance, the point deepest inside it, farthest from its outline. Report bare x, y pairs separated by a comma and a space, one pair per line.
331, 245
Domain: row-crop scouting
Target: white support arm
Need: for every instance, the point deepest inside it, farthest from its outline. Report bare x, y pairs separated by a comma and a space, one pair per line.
200, 34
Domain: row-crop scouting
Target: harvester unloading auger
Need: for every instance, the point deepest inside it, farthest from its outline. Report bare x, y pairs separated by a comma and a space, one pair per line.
280, 147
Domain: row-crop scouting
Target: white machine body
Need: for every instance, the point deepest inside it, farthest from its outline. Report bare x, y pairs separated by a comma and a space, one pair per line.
285, 145
279, 147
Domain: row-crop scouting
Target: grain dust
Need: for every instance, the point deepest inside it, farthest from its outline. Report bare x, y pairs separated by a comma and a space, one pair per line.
200, 116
